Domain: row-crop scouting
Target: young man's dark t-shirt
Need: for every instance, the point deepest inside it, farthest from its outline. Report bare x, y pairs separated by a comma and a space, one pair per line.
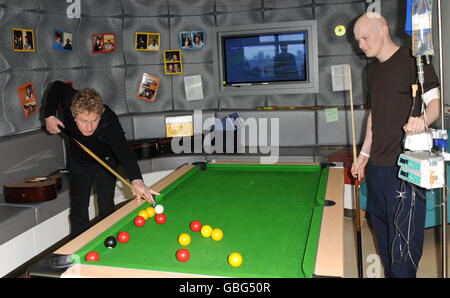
391, 101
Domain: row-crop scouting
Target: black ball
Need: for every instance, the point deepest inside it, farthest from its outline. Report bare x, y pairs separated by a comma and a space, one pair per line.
110, 242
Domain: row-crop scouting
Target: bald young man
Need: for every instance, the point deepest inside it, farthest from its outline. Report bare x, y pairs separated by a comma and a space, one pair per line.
390, 79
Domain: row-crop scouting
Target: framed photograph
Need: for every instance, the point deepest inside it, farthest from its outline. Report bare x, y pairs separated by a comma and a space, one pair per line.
28, 99
103, 43
172, 62
23, 40
146, 41
63, 41
191, 40
148, 87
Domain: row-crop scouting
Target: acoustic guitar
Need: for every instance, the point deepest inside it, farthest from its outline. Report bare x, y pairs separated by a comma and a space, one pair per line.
34, 189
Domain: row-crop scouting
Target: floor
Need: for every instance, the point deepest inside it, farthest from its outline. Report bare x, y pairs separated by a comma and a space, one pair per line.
430, 265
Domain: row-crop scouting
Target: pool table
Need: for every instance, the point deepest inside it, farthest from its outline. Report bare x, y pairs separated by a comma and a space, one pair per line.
286, 220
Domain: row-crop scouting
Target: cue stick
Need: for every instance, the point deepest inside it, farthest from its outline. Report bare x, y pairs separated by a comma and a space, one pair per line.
92, 154
356, 180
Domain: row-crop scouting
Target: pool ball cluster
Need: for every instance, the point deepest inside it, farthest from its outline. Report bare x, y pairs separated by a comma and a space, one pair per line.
150, 212
184, 239
123, 236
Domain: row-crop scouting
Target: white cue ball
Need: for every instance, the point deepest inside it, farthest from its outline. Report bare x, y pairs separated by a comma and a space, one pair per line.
159, 209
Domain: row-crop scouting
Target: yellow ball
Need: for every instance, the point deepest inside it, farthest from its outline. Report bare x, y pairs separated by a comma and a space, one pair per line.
235, 259
206, 231
217, 234
150, 212
144, 214
184, 239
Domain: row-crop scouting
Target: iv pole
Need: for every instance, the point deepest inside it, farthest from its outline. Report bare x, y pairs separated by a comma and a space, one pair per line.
444, 190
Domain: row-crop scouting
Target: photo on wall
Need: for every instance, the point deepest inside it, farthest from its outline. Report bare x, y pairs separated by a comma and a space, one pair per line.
172, 62
148, 87
23, 40
146, 41
191, 40
63, 41
103, 43
28, 99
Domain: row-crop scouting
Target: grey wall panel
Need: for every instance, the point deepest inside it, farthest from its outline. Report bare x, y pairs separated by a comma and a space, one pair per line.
330, 16
237, 6
190, 7
394, 12
110, 83
147, 126
332, 133
105, 8
65, 75
12, 104
192, 23
56, 58
12, 18
288, 14
286, 3
21, 4
242, 102
328, 97
100, 8
291, 100
210, 101
239, 18
338, 1
340, 132
56, 6
360, 117
6, 127
163, 101
148, 24
145, 7
100, 25
127, 125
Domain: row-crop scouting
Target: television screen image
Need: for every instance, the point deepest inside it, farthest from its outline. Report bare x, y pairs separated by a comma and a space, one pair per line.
265, 58
269, 58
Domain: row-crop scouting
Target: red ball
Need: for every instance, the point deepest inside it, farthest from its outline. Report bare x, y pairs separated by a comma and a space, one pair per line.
196, 226
160, 218
139, 221
183, 255
92, 256
123, 237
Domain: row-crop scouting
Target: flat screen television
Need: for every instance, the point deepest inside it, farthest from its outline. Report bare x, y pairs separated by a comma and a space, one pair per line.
267, 58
